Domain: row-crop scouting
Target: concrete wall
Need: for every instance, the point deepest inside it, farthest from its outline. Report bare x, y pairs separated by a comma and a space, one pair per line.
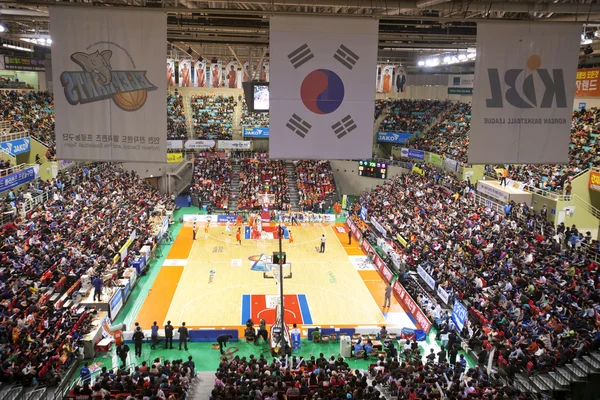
350, 183
147, 170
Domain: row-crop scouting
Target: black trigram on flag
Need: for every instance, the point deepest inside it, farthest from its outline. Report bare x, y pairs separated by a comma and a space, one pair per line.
343, 127
346, 56
300, 56
299, 126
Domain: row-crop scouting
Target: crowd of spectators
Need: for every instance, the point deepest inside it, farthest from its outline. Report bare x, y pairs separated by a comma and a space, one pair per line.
212, 181
262, 176
318, 377
315, 183
176, 122
160, 380
89, 214
448, 137
532, 293
31, 111
410, 116
212, 116
254, 119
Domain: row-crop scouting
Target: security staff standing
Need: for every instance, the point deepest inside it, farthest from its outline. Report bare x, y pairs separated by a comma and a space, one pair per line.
169, 335
138, 339
183, 335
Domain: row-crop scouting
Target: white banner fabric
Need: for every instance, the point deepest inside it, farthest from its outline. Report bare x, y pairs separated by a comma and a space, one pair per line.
321, 87
235, 144
199, 144
523, 92
109, 85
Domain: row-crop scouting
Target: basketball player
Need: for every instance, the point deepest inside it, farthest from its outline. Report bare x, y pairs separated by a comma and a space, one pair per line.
239, 221
194, 230
291, 238
228, 227
206, 228
238, 237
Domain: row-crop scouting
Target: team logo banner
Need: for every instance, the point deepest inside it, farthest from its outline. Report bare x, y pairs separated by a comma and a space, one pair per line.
523, 92
109, 89
322, 88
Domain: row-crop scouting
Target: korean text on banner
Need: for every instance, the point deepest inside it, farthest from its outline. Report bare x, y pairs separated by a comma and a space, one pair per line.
174, 157
322, 87
412, 306
459, 315
426, 277
594, 182
199, 144
523, 92
411, 153
18, 178
174, 144
235, 144
587, 83
16, 146
110, 91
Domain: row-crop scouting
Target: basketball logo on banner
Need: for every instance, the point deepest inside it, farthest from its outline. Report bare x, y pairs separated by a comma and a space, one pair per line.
97, 81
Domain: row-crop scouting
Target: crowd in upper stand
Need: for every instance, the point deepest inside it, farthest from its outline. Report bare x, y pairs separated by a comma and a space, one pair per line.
315, 183
410, 116
254, 119
257, 378
262, 176
450, 137
89, 215
212, 116
532, 293
176, 122
212, 181
31, 111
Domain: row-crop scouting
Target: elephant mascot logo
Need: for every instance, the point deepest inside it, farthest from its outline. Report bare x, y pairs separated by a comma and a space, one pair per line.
99, 81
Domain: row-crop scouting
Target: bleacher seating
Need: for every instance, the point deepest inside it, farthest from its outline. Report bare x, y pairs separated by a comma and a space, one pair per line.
315, 183
212, 116
254, 119
212, 181
176, 119
266, 176
410, 116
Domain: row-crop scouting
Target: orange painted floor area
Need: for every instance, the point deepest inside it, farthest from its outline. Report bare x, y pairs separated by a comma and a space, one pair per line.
159, 297
351, 249
377, 288
183, 244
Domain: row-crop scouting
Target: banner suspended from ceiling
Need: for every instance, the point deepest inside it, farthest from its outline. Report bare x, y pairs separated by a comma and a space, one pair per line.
109, 95
523, 92
322, 93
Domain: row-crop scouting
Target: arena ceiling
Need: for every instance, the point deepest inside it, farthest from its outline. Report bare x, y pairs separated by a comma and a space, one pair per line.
408, 29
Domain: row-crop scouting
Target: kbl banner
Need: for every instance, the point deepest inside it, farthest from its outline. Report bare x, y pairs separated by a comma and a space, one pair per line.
17, 146
393, 137
459, 315
411, 153
256, 132
18, 178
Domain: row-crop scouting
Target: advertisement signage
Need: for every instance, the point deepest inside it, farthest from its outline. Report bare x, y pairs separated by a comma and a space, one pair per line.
412, 307
442, 294
586, 83
379, 227
256, 132
18, 178
426, 277
199, 144
174, 144
174, 157
451, 165
411, 153
16, 146
594, 182
460, 84
235, 144
115, 304
225, 218
492, 191
393, 137
459, 315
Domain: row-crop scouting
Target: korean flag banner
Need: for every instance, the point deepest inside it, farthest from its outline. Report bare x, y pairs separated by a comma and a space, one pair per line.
322, 93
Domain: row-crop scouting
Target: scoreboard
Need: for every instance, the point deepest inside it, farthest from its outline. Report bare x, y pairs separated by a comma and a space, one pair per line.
372, 169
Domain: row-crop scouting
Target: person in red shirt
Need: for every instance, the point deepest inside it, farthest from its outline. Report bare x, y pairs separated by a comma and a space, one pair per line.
238, 237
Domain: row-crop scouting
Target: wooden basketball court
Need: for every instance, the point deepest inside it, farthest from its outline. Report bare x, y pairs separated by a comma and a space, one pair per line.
212, 282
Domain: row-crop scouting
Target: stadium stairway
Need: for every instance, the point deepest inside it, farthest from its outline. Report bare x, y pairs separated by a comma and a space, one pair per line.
202, 387
235, 188
561, 379
188, 113
293, 185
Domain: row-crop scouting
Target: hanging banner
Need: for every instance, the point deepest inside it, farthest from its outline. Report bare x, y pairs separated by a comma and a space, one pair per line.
321, 92
170, 72
523, 92
594, 182
460, 84
200, 74
109, 93
386, 79
231, 75
586, 84
216, 74
185, 73
400, 80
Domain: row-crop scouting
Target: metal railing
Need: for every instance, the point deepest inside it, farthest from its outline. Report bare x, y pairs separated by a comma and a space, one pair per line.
547, 194
13, 169
29, 204
483, 201
37, 394
585, 205
5, 137
14, 393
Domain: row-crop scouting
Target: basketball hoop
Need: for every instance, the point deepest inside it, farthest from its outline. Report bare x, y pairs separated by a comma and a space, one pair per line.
266, 199
272, 271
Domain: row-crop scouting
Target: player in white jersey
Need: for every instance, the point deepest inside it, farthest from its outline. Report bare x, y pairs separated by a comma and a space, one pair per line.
228, 227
